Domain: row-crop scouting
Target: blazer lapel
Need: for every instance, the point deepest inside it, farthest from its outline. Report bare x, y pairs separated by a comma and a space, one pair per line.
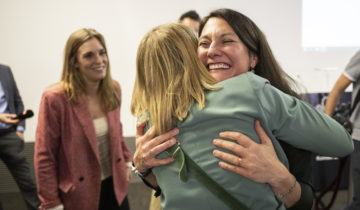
82, 112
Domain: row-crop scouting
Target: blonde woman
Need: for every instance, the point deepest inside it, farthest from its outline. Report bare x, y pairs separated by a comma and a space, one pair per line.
174, 89
80, 153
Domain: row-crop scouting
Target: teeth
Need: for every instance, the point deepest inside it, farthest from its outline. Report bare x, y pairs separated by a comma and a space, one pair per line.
218, 66
99, 68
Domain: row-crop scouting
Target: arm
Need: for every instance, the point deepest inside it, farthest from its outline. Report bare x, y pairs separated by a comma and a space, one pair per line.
8, 119
301, 125
148, 146
333, 99
258, 162
47, 145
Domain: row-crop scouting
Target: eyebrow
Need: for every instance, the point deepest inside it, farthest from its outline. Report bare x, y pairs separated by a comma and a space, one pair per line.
222, 35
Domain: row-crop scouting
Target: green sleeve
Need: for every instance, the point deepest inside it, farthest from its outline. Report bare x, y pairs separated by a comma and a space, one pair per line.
300, 124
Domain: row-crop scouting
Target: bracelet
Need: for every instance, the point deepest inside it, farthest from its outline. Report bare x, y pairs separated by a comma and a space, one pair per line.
291, 189
137, 172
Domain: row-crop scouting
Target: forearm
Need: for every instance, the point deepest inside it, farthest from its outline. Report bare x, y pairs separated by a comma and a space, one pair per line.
332, 101
286, 187
47, 180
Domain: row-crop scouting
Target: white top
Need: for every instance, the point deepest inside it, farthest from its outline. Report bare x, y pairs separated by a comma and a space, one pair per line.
102, 134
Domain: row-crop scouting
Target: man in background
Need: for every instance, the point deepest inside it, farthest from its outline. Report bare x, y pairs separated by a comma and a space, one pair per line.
191, 19
351, 75
12, 138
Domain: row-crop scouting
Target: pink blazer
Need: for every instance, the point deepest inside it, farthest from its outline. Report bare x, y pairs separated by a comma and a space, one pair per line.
66, 158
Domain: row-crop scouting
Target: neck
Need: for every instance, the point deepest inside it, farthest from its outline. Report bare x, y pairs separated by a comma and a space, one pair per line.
92, 88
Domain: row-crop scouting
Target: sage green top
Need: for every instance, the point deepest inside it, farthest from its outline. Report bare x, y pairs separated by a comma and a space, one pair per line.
234, 107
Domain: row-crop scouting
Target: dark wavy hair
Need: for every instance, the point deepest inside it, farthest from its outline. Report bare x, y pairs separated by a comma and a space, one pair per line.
255, 40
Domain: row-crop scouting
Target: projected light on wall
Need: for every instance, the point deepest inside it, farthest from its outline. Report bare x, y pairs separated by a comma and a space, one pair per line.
330, 24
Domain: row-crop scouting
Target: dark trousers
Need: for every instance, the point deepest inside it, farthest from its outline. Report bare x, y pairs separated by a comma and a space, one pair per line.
12, 154
107, 197
355, 170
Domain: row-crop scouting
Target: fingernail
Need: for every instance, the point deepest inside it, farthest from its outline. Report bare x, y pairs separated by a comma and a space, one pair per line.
215, 141
215, 152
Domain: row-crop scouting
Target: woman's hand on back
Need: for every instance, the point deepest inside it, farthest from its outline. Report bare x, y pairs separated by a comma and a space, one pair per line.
257, 162
148, 147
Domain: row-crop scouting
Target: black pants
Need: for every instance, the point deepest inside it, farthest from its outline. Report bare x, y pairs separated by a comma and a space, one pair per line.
12, 154
355, 170
108, 199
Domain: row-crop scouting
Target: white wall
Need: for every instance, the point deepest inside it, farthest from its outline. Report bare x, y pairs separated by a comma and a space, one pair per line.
33, 34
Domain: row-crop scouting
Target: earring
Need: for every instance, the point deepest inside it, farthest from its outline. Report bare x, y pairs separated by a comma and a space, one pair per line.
252, 70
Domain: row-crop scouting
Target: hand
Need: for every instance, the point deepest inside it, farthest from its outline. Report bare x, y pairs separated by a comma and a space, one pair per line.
257, 162
21, 135
147, 147
8, 119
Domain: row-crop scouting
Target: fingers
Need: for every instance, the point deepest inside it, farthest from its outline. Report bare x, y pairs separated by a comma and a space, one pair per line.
160, 162
229, 145
264, 138
140, 128
239, 170
237, 136
157, 147
233, 159
8, 119
148, 147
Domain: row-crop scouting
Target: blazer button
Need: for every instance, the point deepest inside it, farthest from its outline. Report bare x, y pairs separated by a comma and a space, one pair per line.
81, 179
118, 160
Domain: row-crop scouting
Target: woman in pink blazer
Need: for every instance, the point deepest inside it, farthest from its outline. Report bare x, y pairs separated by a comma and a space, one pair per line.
81, 158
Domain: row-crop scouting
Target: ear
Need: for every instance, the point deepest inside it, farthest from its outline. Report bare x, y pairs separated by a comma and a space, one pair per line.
253, 60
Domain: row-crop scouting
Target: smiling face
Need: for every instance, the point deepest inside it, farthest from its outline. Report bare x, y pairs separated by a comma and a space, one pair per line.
222, 51
92, 61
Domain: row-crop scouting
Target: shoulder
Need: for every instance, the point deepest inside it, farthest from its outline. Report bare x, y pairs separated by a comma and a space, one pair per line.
117, 87
352, 69
116, 84
54, 91
5, 69
246, 81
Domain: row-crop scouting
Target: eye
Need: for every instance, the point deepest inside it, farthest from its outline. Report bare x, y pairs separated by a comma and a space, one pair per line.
228, 41
203, 43
102, 52
88, 55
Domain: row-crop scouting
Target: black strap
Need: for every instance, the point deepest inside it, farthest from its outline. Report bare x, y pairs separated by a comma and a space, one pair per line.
357, 99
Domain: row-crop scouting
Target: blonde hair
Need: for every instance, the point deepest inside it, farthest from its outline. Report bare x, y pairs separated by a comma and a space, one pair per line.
169, 76
72, 79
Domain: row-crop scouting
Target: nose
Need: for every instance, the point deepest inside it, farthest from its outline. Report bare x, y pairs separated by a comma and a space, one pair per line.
98, 58
213, 50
